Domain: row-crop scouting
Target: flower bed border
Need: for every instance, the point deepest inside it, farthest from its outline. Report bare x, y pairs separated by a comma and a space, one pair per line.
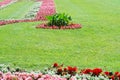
5, 22
57, 72
71, 26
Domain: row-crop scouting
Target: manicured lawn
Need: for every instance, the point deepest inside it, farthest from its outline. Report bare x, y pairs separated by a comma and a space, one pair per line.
95, 45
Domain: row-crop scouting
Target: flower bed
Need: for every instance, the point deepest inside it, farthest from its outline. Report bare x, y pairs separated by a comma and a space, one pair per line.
71, 26
58, 72
59, 21
2, 22
47, 8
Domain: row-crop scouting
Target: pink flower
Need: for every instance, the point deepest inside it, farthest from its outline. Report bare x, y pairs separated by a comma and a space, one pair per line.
28, 78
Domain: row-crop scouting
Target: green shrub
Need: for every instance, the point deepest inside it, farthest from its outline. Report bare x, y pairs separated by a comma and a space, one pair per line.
59, 19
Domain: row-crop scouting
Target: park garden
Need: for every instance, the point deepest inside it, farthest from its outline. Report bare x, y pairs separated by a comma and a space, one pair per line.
59, 40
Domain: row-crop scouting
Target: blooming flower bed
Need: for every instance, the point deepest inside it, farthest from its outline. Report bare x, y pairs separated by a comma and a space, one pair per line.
47, 8
58, 72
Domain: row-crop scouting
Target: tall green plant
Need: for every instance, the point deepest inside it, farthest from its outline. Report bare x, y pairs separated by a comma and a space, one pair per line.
59, 19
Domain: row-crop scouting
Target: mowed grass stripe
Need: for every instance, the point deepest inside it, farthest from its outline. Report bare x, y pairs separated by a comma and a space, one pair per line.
16, 11
97, 10
106, 21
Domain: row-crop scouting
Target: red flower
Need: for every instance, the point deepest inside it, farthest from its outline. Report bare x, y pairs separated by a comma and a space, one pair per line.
59, 70
87, 71
55, 65
117, 74
97, 71
106, 73
74, 69
65, 69
112, 77
69, 68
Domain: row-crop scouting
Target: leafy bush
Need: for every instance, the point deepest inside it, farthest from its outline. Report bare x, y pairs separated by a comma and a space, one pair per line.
59, 19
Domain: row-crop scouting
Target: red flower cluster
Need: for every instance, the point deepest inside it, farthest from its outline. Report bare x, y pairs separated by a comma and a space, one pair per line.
98, 71
47, 8
115, 76
71, 69
94, 72
86, 71
71, 26
5, 2
68, 70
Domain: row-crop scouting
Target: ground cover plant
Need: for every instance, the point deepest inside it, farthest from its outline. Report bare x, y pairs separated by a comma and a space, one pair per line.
95, 45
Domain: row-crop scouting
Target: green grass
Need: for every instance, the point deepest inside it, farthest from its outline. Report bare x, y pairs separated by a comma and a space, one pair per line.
17, 10
95, 45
